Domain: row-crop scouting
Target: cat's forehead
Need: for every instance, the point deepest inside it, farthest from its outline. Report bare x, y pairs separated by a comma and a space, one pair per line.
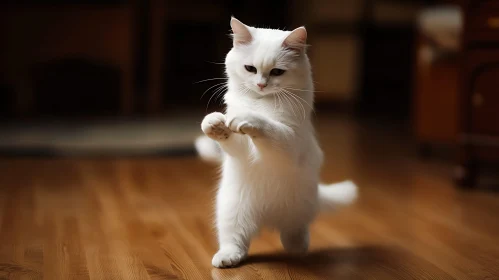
269, 33
267, 49
269, 37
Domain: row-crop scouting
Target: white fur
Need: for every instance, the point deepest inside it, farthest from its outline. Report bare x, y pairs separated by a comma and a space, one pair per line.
267, 145
333, 196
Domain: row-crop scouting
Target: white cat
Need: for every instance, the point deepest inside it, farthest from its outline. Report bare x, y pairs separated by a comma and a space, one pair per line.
266, 143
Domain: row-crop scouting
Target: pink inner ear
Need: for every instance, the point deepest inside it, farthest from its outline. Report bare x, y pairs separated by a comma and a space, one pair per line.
297, 40
240, 32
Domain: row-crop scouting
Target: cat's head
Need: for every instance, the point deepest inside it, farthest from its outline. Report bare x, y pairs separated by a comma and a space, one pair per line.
267, 61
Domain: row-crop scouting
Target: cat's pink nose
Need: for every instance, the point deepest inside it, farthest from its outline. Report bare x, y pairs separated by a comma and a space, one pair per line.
261, 86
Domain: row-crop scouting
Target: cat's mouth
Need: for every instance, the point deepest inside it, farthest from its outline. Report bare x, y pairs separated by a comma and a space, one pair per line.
265, 91
261, 92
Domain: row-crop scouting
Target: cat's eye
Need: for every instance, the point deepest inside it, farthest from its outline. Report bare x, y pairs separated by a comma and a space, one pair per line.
250, 68
277, 72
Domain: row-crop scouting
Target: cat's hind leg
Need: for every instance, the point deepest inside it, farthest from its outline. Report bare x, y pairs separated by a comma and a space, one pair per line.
295, 240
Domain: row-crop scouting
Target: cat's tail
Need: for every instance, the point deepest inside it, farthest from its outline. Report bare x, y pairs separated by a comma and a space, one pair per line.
208, 149
334, 196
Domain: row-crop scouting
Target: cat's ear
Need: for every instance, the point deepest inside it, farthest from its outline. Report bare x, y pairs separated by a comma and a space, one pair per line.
296, 40
240, 32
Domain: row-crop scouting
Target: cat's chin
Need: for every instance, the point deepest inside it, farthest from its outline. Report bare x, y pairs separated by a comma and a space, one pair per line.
261, 94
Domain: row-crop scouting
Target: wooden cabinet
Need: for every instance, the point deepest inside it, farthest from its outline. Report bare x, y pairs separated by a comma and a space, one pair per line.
484, 99
479, 131
435, 111
435, 100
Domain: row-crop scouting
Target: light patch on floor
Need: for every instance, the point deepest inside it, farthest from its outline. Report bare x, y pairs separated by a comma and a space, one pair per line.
130, 137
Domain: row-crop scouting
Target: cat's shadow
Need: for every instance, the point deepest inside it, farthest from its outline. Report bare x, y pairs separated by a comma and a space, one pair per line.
319, 257
356, 262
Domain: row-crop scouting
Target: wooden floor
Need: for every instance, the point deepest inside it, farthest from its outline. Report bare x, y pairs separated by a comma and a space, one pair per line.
152, 218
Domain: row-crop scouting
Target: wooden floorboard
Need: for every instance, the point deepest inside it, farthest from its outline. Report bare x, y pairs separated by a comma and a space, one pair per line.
151, 218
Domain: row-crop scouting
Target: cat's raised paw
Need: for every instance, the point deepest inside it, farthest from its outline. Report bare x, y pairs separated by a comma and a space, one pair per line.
213, 126
228, 257
244, 123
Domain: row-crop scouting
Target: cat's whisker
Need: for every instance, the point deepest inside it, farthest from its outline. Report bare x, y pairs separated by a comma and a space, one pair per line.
292, 96
279, 97
312, 109
281, 105
282, 99
285, 101
214, 86
286, 93
220, 97
275, 102
290, 102
212, 79
304, 90
208, 105
221, 88
297, 96
217, 93
220, 92
219, 63
244, 90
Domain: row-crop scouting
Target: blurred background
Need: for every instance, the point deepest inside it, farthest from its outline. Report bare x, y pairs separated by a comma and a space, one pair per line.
121, 78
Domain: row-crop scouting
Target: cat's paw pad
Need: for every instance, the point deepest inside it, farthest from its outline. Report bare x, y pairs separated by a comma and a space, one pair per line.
213, 126
245, 123
228, 257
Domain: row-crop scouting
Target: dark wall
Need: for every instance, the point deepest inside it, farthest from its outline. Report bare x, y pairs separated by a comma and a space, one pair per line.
387, 70
194, 50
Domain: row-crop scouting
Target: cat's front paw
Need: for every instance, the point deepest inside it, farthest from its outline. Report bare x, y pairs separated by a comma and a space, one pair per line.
228, 257
244, 123
213, 126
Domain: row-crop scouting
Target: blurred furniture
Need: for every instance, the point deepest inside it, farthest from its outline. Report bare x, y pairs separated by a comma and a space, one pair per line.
436, 95
360, 51
479, 130
42, 33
